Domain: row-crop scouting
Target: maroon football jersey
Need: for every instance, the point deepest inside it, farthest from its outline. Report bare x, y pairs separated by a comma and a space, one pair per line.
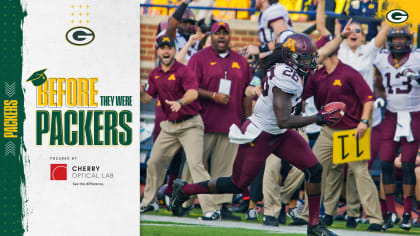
345, 85
210, 69
172, 85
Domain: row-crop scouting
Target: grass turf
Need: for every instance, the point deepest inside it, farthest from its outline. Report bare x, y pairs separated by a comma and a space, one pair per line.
195, 213
176, 229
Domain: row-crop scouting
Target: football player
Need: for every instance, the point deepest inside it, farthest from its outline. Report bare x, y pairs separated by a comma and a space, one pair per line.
270, 129
397, 90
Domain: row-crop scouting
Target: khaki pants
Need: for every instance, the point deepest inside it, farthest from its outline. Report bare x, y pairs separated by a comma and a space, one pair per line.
189, 135
332, 180
274, 195
221, 153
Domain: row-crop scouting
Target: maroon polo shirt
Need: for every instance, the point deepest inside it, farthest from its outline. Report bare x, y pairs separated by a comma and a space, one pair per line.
345, 85
210, 68
172, 85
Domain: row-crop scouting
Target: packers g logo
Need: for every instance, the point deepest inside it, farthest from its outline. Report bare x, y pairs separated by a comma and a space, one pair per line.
80, 36
397, 16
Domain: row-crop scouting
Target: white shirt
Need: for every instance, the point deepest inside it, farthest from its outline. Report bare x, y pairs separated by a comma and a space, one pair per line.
362, 60
286, 79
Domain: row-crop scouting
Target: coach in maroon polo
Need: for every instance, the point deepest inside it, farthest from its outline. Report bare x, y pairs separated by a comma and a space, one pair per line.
177, 89
336, 81
222, 76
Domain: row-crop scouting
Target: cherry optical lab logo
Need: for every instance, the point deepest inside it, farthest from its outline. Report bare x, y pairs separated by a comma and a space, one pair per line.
58, 172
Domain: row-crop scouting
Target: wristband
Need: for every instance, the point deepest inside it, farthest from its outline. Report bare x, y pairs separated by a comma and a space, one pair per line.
365, 121
264, 48
343, 37
180, 102
213, 96
179, 12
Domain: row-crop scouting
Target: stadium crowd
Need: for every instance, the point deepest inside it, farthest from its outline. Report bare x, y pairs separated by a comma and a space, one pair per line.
244, 121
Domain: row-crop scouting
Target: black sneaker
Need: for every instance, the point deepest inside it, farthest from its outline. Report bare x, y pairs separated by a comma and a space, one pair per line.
327, 220
151, 207
243, 207
351, 222
319, 230
178, 197
270, 221
296, 221
252, 214
226, 214
374, 227
416, 222
390, 220
342, 217
282, 216
406, 221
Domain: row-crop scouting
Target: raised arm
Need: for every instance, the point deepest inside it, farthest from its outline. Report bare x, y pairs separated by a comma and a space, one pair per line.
175, 19
321, 18
332, 45
380, 38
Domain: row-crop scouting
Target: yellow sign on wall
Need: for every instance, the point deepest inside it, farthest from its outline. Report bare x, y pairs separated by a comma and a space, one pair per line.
348, 148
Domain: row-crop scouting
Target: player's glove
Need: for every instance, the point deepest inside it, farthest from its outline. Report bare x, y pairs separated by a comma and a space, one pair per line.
413, 75
380, 103
328, 117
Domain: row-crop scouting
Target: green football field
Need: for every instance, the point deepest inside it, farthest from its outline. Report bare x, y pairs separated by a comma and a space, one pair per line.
155, 228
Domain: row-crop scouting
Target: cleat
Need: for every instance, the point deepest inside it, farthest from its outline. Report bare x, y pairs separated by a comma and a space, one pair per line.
351, 222
327, 220
390, 220
406, 221
212, 215
178, 197
374, 227
282, 216
151, 207
226, 214
319, 230
270, 221
252, 214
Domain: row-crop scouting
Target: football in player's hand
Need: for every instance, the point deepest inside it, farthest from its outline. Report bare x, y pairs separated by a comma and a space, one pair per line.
334, 106
331, 113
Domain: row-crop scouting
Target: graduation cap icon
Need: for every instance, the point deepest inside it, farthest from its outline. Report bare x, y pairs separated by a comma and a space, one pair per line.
38, 77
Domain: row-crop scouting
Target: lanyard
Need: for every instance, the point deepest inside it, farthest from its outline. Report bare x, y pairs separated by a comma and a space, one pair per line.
225, 65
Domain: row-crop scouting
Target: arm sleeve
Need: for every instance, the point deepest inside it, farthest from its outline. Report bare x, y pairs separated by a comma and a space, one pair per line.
194, 68
189, 80
151, 89
360, 87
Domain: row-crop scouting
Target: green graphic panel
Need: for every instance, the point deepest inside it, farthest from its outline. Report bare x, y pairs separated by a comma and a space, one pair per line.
12, 117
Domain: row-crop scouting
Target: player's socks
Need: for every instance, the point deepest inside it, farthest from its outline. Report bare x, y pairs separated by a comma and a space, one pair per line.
383, 207
197, 188
390, 202
169, 189
408, 203
314, 202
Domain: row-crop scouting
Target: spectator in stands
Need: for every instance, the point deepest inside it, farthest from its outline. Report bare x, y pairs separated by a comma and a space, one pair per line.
202, 13
163, 10
180, 26
177, 88
397, 87
223, 76
363, 8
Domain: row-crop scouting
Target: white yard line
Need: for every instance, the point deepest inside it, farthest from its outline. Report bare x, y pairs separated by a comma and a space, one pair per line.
232, 224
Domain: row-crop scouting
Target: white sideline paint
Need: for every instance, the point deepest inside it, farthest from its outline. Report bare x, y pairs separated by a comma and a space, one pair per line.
231, 224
